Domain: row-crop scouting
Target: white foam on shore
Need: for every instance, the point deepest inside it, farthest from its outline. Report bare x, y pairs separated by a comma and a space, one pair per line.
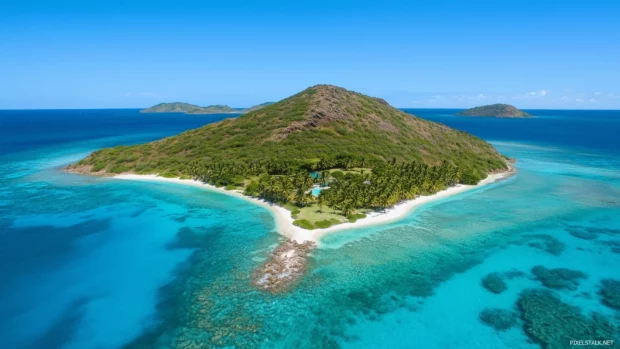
284, 221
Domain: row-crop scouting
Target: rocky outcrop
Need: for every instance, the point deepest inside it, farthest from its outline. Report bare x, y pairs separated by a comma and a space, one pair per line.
286, 264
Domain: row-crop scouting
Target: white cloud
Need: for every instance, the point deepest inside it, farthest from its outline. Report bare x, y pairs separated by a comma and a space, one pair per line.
564, 98
592, 100
578, 100
532, 94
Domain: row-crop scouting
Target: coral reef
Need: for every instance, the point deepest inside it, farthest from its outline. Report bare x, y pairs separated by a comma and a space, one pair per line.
546, 243
614, 244
590, 233
582, 233
499, 319
553, 324
610, 291
558, 278
494, 282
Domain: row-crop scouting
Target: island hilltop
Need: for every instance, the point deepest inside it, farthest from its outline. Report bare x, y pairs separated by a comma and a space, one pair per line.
495, 110
327, 154
179, 107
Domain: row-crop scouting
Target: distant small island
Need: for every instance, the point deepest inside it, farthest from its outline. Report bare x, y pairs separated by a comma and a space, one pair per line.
495, 110
179, 107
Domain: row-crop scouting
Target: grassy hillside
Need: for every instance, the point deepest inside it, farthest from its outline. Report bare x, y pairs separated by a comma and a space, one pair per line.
321, 121
497, 110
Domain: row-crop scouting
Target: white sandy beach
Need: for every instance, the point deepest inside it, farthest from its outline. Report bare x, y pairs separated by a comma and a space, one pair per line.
284, 221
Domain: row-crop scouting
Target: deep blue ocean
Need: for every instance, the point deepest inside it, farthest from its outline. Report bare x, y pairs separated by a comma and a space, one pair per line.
102, 263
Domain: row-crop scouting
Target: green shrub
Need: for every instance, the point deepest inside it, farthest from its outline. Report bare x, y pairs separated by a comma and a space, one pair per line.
98, 167
337, 174
170, 174
303, 223
119, 169
326, 223
252, 189
295, 212
354, 217
470, 177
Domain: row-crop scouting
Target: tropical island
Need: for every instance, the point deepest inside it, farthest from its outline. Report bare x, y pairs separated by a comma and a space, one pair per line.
179, 107
327, 155
495, 110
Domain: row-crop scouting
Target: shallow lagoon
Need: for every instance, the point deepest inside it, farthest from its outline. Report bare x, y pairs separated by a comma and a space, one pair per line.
96, 262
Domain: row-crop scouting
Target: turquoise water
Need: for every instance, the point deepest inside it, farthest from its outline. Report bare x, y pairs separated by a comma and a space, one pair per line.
316, 191
102, 263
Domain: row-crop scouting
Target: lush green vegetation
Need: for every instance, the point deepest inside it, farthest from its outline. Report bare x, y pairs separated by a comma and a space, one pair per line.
371, 155
387, 184
497, 110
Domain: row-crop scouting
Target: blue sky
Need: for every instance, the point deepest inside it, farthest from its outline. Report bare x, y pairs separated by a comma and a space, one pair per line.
109, 54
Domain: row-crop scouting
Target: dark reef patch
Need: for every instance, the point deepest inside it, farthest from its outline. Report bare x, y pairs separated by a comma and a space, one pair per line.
196, 237
47, 246
494, 282
610, 291
614, 244
560, 278
583, 234
546, 243
553, 324
499, 319
590, 233
62, 330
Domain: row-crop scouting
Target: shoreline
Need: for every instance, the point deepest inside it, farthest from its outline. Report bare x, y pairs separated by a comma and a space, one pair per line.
284, 221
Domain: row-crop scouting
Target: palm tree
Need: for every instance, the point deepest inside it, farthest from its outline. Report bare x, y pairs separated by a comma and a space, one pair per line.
320, 201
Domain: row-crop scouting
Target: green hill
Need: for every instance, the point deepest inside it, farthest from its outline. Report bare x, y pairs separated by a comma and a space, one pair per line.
370, 154
320, 121
496, 110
